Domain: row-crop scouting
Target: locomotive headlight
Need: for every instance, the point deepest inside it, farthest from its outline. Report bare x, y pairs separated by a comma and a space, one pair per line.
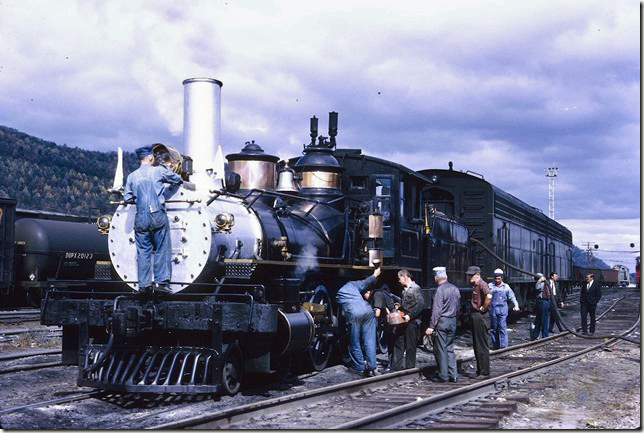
103, 224
435, 179
224, 222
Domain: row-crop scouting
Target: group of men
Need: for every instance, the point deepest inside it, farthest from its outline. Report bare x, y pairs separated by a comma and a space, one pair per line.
547, 294
361, 319
360, 316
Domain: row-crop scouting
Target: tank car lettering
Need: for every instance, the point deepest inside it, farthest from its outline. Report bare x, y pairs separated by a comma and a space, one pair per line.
79, 256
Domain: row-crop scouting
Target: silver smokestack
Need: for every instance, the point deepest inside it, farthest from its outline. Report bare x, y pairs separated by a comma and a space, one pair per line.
201, 124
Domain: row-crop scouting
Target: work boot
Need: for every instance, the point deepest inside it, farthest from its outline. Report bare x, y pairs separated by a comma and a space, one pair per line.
162, 288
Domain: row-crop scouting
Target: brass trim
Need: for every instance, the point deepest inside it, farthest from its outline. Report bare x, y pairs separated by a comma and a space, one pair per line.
320, 179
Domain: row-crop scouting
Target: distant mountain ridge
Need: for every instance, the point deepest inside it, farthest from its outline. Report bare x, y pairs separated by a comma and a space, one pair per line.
42, 175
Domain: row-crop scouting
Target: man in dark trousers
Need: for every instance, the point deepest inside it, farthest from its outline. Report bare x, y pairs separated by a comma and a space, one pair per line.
411, 305
442, 326
542, 296
554, 288
145, 187
481, 298
361, 324
383, 302
589, 296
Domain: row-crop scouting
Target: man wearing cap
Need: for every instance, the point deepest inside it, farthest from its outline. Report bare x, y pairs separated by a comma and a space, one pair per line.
442, 326
501, 295
361, 324
481, 298
542, 294
145, 187
411, 305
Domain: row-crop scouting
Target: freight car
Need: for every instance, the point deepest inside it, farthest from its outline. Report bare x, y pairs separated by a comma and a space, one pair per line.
507, 233
606, 277
258, 253
43, 249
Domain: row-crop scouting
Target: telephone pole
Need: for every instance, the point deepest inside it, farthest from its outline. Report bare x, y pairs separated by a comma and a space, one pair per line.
589, 252
551, 173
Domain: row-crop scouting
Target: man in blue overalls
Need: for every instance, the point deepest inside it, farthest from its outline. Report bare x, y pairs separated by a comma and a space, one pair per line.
145, 187
501, 294
361, 324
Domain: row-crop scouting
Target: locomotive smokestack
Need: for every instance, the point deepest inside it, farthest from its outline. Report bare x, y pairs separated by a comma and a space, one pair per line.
202, 124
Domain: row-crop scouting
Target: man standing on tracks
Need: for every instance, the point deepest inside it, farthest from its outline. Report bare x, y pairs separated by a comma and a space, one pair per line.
361, 324
553, 308
501, 295
481, 298
383, 302
145, 187
589, 296
442, 326
406, 340
542, 295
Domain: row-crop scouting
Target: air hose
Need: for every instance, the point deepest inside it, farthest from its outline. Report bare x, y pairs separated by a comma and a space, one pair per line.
560, 322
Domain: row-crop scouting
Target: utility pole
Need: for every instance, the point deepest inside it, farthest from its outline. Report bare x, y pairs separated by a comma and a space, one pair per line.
551, 173
589, 252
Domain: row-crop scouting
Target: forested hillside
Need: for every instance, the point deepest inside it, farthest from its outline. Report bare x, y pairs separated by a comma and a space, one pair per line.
42, 175
580, 258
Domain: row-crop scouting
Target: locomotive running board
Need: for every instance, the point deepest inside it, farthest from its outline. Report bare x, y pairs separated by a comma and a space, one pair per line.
182, 370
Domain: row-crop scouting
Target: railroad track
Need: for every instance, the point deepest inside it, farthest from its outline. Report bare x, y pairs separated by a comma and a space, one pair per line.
405, 397
22, 315
24, 355
269, 412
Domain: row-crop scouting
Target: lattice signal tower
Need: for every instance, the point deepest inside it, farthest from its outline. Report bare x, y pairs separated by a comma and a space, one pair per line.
551, 173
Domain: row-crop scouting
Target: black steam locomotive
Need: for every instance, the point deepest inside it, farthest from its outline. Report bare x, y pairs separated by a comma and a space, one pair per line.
40, 249
260, 249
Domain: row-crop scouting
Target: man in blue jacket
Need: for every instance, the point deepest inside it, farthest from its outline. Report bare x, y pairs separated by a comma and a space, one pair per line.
361, 324
501, 294
145, 187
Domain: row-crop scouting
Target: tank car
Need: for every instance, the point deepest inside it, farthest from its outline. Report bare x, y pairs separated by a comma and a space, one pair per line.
45, 249
258, 253
501, 225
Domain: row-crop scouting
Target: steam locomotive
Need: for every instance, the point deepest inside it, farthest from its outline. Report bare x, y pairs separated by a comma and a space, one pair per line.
40, 249
260, 249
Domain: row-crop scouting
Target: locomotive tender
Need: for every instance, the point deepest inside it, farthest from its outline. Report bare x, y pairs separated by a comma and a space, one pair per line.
258, 253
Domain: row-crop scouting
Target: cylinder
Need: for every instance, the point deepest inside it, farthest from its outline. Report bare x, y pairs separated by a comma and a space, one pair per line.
202, 121
375, 226
375, 253
295, 332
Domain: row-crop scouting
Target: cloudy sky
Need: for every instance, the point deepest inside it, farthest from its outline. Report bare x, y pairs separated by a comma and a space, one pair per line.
502, 88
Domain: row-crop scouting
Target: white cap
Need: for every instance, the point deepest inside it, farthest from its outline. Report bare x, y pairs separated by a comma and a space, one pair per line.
498, 272
440, 272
